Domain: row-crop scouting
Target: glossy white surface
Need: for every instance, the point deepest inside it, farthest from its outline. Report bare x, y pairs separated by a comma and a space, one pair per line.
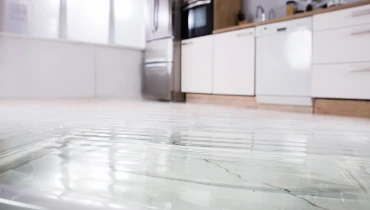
343, 18
284, 59
118, 73
179, 156
351, 44
234, 62
35, 68
197, 65
52, 69
348, 81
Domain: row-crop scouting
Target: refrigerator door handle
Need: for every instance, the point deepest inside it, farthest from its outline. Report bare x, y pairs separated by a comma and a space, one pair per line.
156, 15
153, 17
154, 65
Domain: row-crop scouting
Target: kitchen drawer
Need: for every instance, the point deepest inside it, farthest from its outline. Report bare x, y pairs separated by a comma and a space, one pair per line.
342, 18
348, 81
342, 45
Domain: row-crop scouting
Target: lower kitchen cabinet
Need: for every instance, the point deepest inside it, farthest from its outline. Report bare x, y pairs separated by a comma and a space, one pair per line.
234, 62
197, 65
344, 81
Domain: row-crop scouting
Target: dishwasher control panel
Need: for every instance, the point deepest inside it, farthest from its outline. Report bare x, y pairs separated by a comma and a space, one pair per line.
289, 25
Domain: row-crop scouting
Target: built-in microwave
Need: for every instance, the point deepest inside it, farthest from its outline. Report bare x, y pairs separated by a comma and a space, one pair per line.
197, 18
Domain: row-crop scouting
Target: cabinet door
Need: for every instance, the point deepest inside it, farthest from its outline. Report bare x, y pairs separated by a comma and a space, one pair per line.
342, 45
196, 65
344, 80
234, 63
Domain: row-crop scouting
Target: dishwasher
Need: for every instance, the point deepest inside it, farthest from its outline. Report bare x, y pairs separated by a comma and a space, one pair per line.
284, 63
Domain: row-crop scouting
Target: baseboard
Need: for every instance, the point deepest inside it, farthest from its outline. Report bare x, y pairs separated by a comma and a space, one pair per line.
286, 108
243, 101
229, 100
351, 108
340, 107
285, 100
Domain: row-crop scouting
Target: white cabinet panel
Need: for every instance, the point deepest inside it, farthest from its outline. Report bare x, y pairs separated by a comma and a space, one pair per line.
196, 65
342, 45
342, 18
129, 22
88, 20
234, 63
118, 72
348, 81
38, 69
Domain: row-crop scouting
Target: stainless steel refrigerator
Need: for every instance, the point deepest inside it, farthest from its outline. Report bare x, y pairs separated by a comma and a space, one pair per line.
162, 70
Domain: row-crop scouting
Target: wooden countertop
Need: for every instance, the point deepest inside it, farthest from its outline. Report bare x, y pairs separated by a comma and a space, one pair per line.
296, 16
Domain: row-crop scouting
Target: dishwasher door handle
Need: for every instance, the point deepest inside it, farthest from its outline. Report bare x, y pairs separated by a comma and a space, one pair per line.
281, 29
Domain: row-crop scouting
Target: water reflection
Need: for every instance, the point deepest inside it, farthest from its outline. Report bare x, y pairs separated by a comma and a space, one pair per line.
216, 159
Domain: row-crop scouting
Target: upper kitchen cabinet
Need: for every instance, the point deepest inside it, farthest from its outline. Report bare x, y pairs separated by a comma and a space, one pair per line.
234, 63
88, 20
129, 22
196, 65
225, 13
28, 17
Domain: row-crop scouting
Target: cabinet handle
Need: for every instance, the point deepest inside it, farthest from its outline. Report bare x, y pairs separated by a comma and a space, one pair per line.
281, 29
360, 70
360, 33
244, 34
187, 43
361, 13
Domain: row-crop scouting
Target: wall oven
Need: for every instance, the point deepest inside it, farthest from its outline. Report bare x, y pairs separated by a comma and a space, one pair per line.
197, 18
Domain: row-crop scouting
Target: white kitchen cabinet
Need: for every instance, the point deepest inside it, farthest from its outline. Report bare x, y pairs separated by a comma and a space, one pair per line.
341, 54
343, 18
348, 81
234, 63
197, 65
32, 68
350, 44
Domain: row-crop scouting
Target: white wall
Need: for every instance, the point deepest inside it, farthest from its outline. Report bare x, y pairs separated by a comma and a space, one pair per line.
249, 7
36, 68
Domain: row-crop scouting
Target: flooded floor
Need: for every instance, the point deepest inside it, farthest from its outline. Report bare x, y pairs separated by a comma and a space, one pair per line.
107, 154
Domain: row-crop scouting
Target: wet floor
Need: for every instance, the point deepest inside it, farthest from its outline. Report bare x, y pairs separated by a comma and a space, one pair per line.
107, 154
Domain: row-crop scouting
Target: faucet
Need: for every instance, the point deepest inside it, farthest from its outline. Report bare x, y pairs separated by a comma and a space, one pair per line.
272, 14
263, 15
